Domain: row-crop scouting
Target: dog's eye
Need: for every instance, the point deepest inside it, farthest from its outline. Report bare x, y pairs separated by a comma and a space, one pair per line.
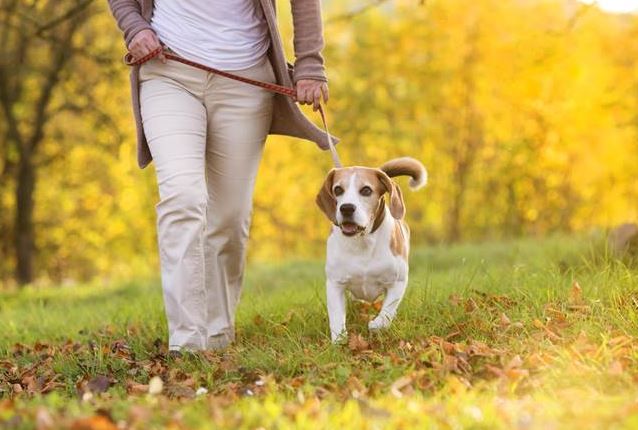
365, 191
338, 190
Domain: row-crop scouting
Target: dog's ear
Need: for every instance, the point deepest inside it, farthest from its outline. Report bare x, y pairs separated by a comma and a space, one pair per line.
326, 199
397, 205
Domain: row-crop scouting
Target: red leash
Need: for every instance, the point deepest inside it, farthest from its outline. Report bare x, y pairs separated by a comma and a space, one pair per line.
286, 91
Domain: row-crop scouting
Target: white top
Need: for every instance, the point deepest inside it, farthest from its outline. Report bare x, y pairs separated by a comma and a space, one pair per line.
224, 34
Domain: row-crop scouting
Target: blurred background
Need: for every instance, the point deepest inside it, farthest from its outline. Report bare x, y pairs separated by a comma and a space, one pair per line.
525, 113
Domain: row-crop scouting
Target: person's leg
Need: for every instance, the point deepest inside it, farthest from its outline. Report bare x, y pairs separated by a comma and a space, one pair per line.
174, 120
239, 117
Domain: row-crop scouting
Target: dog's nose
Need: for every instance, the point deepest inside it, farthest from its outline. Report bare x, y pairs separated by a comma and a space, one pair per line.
347, 209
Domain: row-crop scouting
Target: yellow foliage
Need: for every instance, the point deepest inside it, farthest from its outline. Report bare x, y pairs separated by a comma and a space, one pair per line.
525, 114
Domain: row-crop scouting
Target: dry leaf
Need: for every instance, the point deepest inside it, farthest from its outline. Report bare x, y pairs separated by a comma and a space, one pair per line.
400, 384
470, 305
454, 299
516, 373
615, 368
357, 343
138, 413
43, 419
258, 320
99, 384
576, 293
504, 320
155, 385
180, 391
371, 411
96, 422
135, 388
515, 362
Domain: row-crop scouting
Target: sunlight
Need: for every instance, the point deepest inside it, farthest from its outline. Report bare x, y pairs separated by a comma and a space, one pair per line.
619, 6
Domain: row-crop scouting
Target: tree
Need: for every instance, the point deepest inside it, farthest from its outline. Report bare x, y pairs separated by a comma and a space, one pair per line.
36, 47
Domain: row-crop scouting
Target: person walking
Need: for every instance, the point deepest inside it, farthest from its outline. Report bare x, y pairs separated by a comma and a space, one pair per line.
206, 133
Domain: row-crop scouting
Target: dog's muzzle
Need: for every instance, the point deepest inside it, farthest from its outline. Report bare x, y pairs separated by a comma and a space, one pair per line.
349, 228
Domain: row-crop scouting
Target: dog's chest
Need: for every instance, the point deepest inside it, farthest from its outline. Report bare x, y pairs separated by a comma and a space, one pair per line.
366, 289
365, 273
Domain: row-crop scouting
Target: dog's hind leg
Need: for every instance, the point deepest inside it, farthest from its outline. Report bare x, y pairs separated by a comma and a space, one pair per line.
336, 301
391, 302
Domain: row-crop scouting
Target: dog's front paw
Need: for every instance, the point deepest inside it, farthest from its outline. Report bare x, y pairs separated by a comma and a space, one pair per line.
379, 323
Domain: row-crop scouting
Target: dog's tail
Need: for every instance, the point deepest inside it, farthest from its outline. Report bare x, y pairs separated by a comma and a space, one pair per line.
407, 166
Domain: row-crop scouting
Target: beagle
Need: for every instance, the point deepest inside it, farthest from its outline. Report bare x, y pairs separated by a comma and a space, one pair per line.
367, 250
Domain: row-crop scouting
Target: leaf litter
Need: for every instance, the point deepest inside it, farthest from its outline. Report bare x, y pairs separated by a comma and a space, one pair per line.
428, 363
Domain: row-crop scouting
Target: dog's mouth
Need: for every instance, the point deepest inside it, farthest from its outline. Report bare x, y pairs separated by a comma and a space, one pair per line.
350, 228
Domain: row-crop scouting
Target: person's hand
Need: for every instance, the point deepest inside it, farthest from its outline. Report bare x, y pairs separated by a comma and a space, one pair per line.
309, 92
143, 43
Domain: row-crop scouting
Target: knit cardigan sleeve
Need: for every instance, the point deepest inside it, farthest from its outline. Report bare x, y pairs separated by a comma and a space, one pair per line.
308, 40
129, 18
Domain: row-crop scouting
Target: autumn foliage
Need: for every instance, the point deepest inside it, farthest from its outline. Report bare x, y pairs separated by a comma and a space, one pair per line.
524, 113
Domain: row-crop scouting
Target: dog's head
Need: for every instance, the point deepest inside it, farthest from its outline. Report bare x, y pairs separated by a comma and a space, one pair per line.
353, 198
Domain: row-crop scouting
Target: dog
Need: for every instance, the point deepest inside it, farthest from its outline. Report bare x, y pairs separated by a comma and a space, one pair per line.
367, 250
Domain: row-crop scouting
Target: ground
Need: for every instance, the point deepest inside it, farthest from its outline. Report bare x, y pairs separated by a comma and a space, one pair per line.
527, 334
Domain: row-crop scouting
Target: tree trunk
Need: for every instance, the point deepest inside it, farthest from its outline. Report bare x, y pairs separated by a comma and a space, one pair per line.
454, 214
24, 237
470, 139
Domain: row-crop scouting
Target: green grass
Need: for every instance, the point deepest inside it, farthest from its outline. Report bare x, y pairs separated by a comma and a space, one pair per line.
488, 336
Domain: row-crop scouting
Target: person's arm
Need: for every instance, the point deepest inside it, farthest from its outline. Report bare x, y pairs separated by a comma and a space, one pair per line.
309, 74
129, 18
139, 37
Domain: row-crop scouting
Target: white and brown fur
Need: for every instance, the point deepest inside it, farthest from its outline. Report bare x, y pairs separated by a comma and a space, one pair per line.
368, 247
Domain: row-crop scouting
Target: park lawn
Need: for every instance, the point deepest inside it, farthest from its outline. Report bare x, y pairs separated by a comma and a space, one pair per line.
527, 334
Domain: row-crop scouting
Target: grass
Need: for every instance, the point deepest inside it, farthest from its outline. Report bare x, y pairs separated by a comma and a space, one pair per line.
522, 334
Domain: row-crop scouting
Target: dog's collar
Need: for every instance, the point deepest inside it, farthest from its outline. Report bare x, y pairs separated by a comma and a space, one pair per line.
379, 215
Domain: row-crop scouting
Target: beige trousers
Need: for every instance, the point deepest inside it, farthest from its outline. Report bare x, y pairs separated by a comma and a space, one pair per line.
206, 135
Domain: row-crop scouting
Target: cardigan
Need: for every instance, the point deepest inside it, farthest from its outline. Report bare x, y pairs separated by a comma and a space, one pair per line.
133, 16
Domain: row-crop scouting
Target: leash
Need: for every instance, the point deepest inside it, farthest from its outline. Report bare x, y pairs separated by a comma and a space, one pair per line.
279, 89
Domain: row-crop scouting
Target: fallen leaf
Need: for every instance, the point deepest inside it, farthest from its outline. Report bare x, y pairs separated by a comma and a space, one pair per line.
576, 293
371, 411
515, 374
454, 299
155, 385
504, 321
357, 343
96, 422
99, 384
43, 419
399, 385
180, 391
615, 368
515, 362
470, 305
135, 388
138, 413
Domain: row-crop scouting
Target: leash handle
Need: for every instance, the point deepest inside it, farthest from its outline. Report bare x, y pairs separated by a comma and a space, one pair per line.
280, 89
